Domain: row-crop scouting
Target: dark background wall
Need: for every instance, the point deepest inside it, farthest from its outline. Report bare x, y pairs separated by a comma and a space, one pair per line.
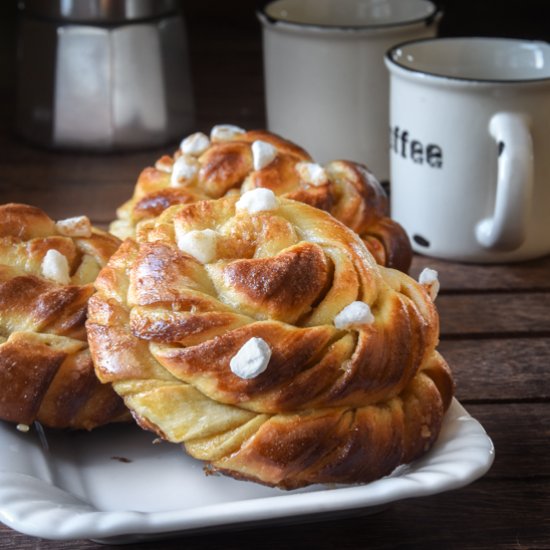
512, 18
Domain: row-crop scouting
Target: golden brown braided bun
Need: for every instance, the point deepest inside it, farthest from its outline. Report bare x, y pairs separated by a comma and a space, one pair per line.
228, 162
46, 276
186, 319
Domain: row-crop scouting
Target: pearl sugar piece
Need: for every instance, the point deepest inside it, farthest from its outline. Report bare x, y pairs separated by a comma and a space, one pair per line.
429, 279
55, 267
252, 359
263, 153
257, 200
225, 132
312, 173
184, 169
195, 144
356, 313
199, 244
79, 226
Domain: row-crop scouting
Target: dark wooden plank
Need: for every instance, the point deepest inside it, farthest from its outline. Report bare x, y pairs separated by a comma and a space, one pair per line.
520, 434
493, 314
98, 200
486, 515
499, 369
22, 161
483, 516
454, 277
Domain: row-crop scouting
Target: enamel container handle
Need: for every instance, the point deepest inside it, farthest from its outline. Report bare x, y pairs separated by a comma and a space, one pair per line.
506, 229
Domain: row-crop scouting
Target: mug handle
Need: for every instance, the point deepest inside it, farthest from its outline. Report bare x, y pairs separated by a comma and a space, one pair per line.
507, 228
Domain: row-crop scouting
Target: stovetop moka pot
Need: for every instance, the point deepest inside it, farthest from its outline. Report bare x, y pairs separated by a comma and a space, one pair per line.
102, 75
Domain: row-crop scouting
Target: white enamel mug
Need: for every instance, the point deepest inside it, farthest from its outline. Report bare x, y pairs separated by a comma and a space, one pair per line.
325, 80
470, 147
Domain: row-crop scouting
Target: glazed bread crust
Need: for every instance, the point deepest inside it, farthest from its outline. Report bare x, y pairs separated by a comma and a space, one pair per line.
350, 193
336, 403
46, 371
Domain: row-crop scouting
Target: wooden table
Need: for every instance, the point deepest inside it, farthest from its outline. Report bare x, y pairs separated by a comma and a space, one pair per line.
495, 332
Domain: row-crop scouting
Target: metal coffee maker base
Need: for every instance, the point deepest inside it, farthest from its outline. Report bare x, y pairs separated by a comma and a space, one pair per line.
102, 75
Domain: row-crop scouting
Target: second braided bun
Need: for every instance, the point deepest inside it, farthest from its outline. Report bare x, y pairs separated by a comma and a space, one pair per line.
232, 161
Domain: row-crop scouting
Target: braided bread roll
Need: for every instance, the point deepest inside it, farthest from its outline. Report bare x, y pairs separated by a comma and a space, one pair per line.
233, 161
262, 334
46, 275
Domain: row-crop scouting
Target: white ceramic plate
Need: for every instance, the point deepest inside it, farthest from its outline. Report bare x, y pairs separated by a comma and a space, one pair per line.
114, 485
